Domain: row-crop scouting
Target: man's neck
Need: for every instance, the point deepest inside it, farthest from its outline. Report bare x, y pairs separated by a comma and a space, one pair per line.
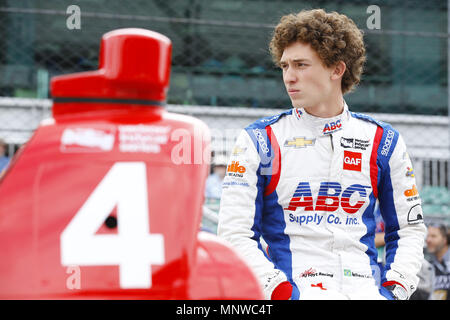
327, 109
440, 254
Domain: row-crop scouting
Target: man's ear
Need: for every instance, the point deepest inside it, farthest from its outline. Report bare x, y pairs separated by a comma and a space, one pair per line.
339, 70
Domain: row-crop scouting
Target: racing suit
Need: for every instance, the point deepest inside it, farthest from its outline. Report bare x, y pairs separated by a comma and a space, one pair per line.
308, 186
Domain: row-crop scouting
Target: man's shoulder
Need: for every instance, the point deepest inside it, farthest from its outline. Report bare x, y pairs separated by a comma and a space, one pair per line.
370, 119
388, 137
262, 123
261, 137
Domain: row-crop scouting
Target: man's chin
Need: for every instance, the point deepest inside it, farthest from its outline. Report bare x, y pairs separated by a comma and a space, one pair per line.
298, 103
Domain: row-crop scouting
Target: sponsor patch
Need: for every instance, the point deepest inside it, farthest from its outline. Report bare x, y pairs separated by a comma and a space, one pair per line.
311, 272
269, 119
79, 139
238, 150
261, 140
352, 160
412, 194
328, 198
235, 170
332, 127
387, 143
299, 142
409, 172
350, 273
142, 138
415, 214
234, 183
354, 143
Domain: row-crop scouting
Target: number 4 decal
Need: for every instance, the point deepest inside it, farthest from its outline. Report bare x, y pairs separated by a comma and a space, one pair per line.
132, 248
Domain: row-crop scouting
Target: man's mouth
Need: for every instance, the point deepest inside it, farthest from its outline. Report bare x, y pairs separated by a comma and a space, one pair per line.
293, 91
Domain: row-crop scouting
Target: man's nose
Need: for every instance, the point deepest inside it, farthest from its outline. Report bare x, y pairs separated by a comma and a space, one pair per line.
290, 76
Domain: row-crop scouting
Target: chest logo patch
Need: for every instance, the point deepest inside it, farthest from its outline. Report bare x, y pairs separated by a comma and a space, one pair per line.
352, 160
299, 142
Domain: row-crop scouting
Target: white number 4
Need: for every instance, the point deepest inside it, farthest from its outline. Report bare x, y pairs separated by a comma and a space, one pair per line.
134, 249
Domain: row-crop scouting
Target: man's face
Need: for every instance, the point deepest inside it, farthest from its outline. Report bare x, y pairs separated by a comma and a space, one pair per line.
435, 240
307, 80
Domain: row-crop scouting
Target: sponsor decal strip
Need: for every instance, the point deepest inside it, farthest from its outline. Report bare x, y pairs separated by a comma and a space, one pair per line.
387, 143
373, 161
276, 162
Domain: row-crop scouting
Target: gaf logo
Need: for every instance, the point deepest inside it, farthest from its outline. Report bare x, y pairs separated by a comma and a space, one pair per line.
352, 160
387, 143
332, 126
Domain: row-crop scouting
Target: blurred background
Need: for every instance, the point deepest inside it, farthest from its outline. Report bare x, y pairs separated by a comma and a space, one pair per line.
220, 53
222, 72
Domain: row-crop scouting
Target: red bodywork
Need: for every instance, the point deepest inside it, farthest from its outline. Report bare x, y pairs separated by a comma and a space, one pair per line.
112, 151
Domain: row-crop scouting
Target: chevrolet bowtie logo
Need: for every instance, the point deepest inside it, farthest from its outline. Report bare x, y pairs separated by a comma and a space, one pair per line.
299, 142
238, 150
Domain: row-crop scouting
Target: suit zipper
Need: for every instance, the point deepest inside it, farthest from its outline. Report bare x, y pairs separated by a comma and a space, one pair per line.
339, 276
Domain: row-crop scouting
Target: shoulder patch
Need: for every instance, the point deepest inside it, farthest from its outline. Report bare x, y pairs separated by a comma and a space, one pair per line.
259, 132
388, 139
367, 118
386, 126
266, 121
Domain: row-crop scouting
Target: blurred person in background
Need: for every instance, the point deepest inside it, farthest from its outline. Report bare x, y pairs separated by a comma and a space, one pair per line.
213, 188
307, 180
425, 285
379, 238
437, 245
4, 160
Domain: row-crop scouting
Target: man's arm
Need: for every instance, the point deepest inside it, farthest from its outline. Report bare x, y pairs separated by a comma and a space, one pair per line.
240, 215
402, 213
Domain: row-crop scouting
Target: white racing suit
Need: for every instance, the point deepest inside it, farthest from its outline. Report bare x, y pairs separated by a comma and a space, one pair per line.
308, 187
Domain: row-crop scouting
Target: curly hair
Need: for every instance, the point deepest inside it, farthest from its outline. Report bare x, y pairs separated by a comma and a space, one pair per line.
334, 37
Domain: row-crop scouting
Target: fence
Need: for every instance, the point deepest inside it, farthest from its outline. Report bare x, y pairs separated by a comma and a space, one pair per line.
220, 54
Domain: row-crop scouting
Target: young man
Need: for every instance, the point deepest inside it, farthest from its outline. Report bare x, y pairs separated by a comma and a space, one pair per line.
307, 180
437, 244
